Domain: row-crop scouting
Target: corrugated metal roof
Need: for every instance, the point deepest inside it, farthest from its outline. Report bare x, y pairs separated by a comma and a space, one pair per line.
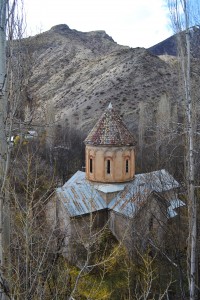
137, 191
81, 196
110, 130
130, 199
158, 181
171, 213
174, 203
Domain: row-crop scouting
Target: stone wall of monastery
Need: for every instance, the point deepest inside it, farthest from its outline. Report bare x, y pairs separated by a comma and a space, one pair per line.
118, 157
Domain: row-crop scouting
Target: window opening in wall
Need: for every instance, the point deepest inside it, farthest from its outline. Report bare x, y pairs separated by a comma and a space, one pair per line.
108, 166
151, 224
91, 165
126, 165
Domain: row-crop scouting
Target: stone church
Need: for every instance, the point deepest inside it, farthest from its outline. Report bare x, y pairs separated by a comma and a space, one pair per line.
110, 195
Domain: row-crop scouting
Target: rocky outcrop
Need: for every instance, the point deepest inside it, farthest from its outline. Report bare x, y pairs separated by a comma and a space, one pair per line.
170, 45
79, 73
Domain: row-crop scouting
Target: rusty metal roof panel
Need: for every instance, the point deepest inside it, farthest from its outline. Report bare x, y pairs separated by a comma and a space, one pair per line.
137, 191
130, 199
79, 196
77, 177
158, 181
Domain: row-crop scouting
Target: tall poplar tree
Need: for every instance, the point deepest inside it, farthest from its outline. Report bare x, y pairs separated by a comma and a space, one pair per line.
182, 14
3, 105
3, 142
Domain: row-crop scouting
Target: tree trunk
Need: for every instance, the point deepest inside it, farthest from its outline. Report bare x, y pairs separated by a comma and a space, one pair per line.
186, 66
3, 148
181, 14
186, 70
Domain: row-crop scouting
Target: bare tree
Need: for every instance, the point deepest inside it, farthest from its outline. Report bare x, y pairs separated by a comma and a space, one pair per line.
33, 257
181, 16
10, 27
3, 144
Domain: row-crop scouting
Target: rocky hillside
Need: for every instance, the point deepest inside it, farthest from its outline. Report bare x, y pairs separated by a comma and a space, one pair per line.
169, 46
77, 74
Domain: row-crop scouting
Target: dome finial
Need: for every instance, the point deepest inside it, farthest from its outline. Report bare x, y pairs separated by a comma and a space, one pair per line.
110, 106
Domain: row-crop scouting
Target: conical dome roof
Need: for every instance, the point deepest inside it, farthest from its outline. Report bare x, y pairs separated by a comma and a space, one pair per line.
110, 131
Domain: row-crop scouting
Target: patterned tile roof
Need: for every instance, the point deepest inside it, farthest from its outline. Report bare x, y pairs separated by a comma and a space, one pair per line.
110, 130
